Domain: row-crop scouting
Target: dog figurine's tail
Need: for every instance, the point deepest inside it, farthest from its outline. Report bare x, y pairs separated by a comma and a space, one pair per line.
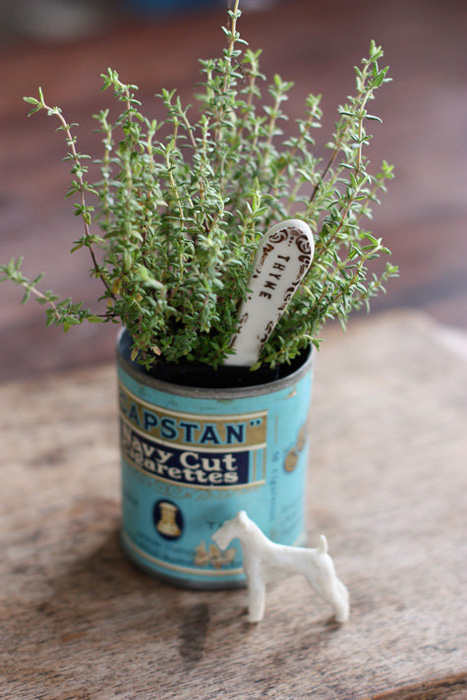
323, 545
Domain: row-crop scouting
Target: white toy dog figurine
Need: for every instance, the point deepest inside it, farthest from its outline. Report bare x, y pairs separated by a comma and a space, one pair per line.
264, 561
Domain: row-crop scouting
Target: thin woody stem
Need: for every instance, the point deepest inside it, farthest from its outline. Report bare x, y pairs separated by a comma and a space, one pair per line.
76, 158
232, 39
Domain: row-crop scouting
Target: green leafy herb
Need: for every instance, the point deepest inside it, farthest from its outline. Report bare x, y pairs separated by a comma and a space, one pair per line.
180, 207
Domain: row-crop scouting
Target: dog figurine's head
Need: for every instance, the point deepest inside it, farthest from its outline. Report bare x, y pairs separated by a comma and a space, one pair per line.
231, 529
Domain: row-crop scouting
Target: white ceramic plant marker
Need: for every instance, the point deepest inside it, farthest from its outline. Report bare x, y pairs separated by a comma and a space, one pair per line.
265, 561
283, 259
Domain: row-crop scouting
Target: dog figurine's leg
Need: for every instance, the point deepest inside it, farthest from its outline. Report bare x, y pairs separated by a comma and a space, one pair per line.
334, 593
256, 597
342, 606
321, 576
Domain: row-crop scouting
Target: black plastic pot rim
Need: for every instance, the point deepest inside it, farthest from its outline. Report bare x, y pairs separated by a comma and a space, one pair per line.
139, 374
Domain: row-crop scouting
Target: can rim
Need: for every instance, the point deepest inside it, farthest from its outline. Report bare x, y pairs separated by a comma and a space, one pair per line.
213, 392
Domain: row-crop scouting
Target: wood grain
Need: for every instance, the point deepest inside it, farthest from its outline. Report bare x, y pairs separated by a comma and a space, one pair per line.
388, 488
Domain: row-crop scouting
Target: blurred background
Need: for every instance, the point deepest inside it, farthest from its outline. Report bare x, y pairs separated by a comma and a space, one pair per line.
64, 45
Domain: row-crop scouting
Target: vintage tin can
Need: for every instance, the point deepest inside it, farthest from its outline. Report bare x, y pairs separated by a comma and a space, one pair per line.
193, 457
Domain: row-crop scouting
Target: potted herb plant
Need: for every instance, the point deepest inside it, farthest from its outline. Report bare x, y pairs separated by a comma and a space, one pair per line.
178, 228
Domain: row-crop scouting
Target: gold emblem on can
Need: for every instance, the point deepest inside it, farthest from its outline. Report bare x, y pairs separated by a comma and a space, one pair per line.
213, 556
167, 524
291, 461
301, 438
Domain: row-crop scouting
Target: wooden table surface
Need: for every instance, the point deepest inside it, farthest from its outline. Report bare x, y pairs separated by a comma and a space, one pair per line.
389, 449
388, 487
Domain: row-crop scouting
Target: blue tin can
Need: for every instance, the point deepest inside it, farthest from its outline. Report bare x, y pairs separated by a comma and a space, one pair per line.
192, 458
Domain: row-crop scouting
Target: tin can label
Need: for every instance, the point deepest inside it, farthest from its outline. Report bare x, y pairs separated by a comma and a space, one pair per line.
191, 450
189, 464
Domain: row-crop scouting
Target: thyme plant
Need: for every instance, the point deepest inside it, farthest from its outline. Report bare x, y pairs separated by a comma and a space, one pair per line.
180, 206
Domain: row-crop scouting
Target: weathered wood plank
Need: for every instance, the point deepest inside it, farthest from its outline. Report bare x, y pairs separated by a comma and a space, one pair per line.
387, 486
453, 688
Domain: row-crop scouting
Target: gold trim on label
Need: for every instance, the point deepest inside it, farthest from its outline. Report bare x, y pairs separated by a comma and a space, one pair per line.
220, 426
222, 449
169, 411
182, 569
